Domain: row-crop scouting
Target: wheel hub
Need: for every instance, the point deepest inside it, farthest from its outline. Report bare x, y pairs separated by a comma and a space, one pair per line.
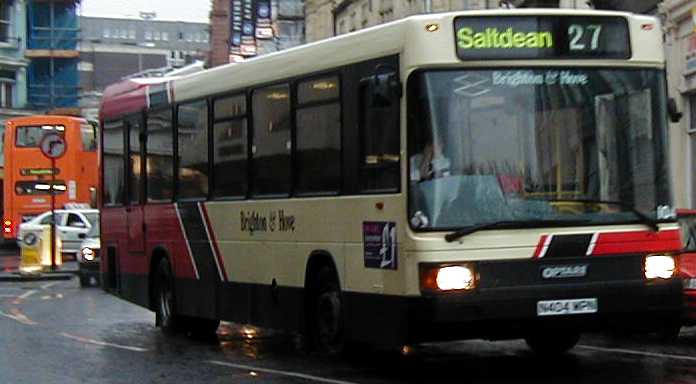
329, 310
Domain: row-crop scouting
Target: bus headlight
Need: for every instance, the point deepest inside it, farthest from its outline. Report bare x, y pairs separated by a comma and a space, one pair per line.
455, 277
660, 266
88, 254
459, 277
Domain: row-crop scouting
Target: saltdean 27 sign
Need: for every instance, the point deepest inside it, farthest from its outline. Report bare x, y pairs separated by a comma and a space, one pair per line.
541, 37
509, 38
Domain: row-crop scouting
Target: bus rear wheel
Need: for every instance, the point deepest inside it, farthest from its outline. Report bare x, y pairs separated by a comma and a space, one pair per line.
326, 313
165, 305
551, 343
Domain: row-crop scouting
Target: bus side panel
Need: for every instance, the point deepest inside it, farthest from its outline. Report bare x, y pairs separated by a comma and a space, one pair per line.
114, 237
177, 231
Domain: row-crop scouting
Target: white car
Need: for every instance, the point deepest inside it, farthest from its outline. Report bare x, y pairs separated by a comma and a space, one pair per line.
70, 223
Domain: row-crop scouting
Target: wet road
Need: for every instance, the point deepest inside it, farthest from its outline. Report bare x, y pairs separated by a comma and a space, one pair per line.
55, 332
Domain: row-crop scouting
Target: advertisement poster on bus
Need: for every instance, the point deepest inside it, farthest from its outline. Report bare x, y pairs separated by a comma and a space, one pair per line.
379, 240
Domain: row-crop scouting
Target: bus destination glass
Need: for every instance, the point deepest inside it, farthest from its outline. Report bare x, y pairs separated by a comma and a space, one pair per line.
541, 37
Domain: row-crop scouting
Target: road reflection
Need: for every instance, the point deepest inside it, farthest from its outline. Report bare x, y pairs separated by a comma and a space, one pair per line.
253, 342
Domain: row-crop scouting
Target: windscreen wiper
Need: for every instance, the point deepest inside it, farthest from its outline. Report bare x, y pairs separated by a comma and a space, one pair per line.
458, 234
642, 216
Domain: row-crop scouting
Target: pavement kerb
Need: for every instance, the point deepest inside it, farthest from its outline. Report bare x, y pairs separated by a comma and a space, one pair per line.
16, 277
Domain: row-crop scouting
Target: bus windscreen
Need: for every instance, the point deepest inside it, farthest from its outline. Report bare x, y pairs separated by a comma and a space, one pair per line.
30, 136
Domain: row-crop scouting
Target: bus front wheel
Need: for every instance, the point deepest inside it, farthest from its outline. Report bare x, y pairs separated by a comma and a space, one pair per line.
165, 309
326, 313
550, 343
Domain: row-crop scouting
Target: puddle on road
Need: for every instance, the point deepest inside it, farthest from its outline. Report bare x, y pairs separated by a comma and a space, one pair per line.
254, 342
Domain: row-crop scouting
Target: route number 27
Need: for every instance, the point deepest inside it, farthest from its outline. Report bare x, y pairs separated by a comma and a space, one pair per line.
577, 34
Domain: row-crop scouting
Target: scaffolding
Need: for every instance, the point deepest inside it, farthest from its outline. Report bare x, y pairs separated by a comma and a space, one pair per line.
53, 34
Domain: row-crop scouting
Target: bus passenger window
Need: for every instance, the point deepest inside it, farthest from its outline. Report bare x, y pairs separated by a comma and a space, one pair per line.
135, 161
272, 146
193, 150
318, 120
160, 156
114, 175
89, 137
380, 143
230, 147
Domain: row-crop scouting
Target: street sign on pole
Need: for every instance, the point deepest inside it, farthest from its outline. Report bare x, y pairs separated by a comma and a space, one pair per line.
53, 146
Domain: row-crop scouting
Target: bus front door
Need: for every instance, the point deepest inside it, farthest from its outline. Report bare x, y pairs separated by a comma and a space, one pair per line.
136, 225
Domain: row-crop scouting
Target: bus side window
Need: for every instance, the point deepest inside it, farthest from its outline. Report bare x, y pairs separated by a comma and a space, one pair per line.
230, 166
160, 156
379, 125
318, 138
271, 147
89, 137
192, 132
114, 163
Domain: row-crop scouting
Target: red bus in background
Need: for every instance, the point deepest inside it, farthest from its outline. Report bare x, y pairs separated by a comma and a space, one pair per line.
28, 174
687, 263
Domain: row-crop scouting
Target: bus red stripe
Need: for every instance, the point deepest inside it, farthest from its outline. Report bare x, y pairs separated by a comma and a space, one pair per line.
213, 240
540, 246
637, 241
187, 243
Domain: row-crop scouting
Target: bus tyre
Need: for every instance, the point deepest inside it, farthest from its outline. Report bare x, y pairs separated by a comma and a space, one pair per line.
550, 344
326, 313
165, 308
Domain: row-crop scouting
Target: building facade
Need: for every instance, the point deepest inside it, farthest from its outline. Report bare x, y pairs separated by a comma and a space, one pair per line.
13, 64
274, 25
114, 48
326, 18
53, 32
103, 64
184, 41
680, 39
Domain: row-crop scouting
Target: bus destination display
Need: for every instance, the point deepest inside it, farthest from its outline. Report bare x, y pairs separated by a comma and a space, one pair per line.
541, 37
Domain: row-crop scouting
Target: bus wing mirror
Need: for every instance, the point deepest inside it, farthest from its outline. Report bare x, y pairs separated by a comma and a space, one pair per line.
383, 88
675, 115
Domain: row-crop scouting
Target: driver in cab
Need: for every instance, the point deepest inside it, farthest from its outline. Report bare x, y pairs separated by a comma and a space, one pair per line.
429, 164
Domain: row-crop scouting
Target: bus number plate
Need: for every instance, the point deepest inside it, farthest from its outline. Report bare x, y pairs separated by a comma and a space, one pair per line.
567, 307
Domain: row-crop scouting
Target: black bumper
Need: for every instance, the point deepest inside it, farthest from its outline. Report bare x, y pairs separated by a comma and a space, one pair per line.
504, 304
89, 268
512, 313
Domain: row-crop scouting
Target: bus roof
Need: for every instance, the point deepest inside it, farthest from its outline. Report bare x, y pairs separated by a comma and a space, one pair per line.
128, 96
41, 119
407, 36
377, 41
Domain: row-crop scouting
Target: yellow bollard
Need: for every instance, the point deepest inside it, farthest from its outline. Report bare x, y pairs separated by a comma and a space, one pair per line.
36, 252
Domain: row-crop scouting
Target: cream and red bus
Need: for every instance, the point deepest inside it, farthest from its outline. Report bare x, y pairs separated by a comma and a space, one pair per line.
28, 173
492, 174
